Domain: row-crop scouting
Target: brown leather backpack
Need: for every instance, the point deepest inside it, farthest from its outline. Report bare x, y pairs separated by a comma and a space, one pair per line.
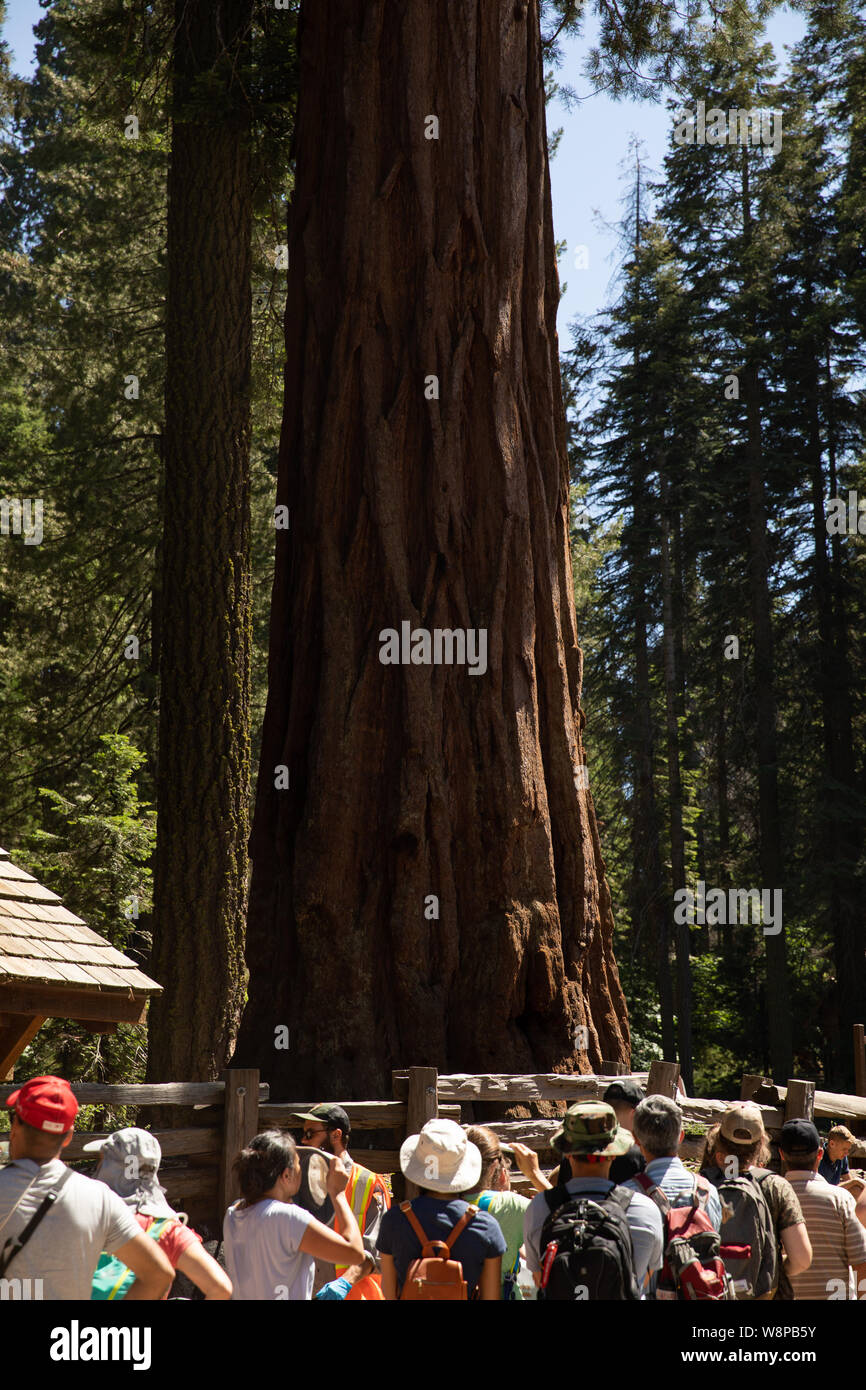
434, 1276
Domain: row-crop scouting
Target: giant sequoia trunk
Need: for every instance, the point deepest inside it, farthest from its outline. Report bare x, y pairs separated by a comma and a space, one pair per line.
428, 887
203, 786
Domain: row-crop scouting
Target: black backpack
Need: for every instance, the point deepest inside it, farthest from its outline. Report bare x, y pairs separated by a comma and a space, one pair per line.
586, 1247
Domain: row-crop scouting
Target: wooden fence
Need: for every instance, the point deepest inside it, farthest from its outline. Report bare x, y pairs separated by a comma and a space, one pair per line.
197, 1167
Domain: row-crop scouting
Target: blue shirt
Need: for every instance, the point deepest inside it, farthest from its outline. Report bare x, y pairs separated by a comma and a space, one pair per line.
833, 1169
481, 1240
643, 1217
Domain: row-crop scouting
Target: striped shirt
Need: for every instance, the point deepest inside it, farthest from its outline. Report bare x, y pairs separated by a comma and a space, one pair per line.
838, 1240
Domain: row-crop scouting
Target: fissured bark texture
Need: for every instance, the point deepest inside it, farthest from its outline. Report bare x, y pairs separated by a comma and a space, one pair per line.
410, 258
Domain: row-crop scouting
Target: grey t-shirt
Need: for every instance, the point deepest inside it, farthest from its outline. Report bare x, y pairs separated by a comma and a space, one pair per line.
264, 1258
64, 1249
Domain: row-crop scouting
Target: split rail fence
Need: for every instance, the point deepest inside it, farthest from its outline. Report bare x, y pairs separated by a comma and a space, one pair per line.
197, 1167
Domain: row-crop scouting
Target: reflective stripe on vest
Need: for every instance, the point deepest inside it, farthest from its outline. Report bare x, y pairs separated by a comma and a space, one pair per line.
359, 1207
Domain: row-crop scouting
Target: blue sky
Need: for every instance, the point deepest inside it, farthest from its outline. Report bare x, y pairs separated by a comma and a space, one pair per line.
590, 165
586, 175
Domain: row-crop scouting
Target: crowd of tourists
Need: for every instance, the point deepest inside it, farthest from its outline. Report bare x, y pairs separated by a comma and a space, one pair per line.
623, 1218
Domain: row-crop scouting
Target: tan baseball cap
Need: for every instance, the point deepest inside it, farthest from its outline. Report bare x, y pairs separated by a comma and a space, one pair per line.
742, 1123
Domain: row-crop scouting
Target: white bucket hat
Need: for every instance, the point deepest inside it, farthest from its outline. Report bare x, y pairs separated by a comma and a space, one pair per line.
441, 1158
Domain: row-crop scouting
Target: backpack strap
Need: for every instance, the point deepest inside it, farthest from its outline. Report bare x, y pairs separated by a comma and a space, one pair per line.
701, 1189
42, 1210
654, 1192
406, 1208
468, 1215
470, 1212
557, 1196
621, 1197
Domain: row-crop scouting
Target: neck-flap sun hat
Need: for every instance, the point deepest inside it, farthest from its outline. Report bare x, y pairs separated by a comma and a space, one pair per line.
441, 1158
130, 1163
591, 1127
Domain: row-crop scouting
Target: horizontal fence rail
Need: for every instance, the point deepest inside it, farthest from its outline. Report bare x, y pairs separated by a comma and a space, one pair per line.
198, 1176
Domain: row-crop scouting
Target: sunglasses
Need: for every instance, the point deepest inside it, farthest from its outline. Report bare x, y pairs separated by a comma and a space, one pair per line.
311, 1133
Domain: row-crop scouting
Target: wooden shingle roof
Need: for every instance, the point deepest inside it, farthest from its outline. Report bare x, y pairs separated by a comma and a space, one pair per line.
42, 943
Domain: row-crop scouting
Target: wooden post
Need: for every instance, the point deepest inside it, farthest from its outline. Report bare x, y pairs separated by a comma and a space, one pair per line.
751, 1083
859, 1060
662, 1080
240, 1123
800, 1100
613, 1069
423, 1105
16, 1031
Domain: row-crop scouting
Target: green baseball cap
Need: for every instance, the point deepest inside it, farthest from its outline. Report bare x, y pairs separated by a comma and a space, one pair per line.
329, 1116
591, 1127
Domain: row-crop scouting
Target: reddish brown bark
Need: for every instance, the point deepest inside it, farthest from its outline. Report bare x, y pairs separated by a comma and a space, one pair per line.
412, 257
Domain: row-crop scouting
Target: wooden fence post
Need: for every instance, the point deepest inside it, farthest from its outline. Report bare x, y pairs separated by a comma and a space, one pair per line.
859, 1060
613, 1069
423, 1105
750, 1084
800, 1100
240, 1123
662, 1079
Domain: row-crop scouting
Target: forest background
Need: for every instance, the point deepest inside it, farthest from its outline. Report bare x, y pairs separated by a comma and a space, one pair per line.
696, 520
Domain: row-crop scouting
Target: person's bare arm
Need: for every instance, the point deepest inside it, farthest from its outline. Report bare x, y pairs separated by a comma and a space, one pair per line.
356, 1272
527, 1162
389, 1276
332, 1246
797, 1248
154, 1275
203, 1270
860, 1208
490, 1283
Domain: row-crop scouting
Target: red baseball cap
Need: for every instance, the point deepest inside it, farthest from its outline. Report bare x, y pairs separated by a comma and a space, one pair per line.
45, 1102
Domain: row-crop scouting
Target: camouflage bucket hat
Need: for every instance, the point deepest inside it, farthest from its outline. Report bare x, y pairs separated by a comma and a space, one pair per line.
591, 1128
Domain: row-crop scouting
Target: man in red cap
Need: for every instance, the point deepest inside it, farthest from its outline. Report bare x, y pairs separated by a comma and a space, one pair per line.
54, 1223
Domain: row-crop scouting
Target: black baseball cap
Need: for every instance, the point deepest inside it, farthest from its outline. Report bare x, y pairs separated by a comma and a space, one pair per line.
628, 1091
331, 1116
799, 1137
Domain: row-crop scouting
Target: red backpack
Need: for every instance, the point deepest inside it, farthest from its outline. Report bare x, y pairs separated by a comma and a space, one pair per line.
693, 1267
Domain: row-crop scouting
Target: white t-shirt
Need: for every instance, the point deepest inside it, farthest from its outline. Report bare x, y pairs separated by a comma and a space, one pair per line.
64, 1249
263, 1252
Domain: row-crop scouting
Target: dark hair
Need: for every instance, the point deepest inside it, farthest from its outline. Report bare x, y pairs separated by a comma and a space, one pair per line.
259, 1165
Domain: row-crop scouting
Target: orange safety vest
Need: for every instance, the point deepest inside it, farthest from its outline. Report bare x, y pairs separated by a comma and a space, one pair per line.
359, 1194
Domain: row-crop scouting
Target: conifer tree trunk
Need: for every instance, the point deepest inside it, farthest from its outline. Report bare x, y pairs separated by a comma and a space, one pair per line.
650, 896
842, 839
723, 876
427, 883
675, 790
778, 991
203, 783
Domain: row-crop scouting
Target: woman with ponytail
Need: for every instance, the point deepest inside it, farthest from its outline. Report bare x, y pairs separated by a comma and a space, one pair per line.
271, 1244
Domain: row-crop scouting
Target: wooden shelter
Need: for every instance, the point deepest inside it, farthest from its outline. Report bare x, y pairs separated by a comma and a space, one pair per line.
53, 966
